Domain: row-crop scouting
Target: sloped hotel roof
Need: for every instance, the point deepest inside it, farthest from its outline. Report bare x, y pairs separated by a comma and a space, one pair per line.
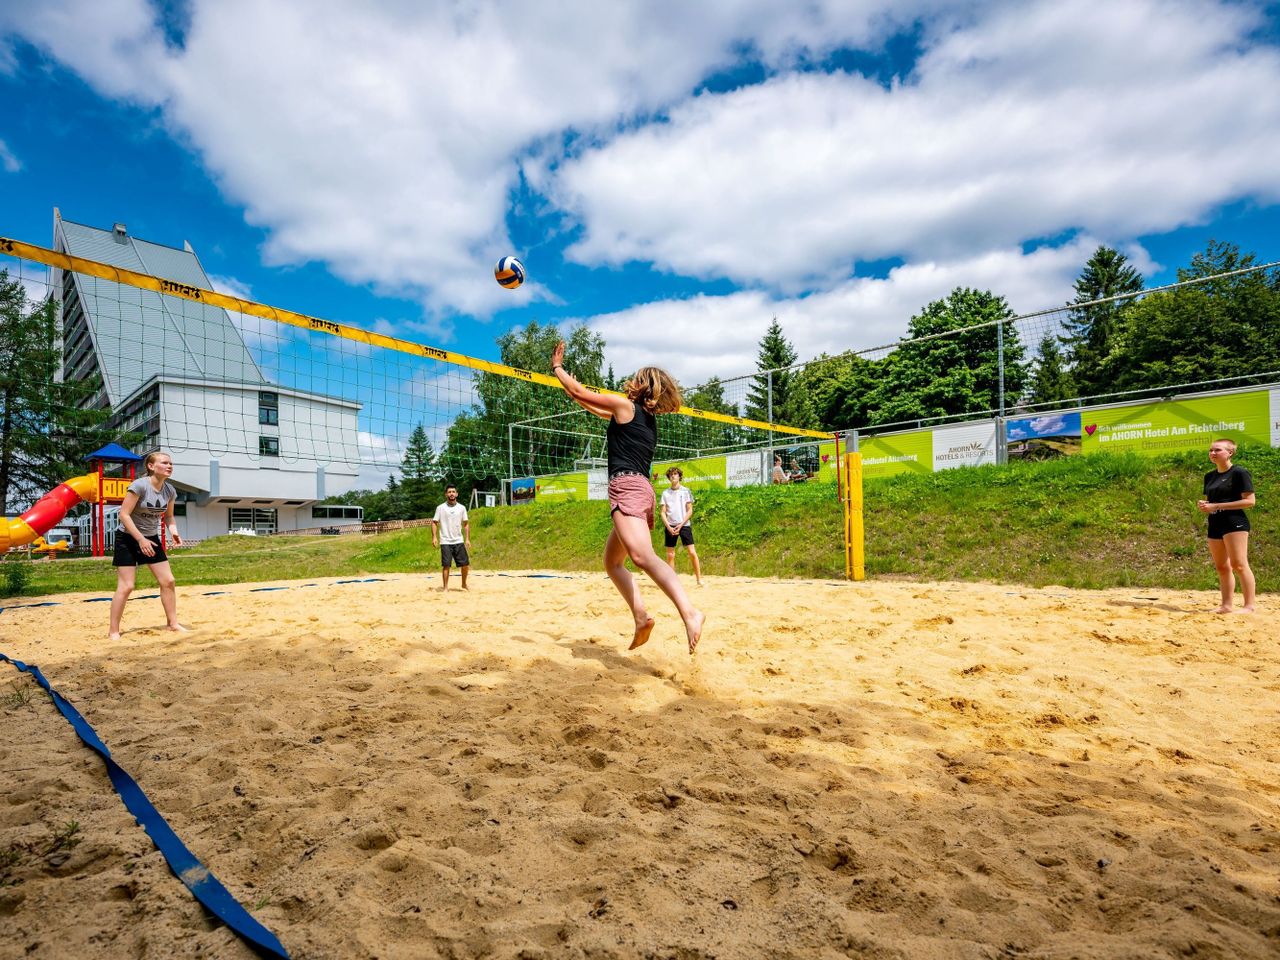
138, 334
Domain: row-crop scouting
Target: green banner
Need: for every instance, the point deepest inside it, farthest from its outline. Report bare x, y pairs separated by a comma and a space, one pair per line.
564, 486
897, 453
705, 473
1173, 425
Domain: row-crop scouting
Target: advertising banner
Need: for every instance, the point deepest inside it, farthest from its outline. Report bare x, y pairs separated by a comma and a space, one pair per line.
1043, 437
1172, 425
564, 486
1275, 418
705, 473
964, 445
524, 489
744, 469
598, 484
897, 453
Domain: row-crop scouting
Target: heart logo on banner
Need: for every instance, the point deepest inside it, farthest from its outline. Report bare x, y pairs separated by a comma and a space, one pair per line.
1090, 429
826, 457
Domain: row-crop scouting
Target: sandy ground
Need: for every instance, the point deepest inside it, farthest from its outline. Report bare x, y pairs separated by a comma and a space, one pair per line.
875, 770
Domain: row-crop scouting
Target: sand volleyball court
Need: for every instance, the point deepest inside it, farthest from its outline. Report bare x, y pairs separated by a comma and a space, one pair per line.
882, 770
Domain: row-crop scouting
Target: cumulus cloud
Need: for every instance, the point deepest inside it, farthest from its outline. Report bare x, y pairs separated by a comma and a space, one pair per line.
383, 139
701, 337
1030, 120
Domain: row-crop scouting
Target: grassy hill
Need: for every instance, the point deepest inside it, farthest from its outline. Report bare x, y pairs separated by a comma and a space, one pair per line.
1098, 521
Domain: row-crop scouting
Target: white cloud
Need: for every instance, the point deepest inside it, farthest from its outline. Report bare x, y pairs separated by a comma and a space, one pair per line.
703, 336
231, 287
383, 139
1048, 426
8, 160
1032, 120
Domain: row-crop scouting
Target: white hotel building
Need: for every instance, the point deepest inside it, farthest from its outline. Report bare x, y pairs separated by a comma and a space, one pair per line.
247, 454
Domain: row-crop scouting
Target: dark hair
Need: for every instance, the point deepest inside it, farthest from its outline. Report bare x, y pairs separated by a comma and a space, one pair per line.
449, 487
677, 471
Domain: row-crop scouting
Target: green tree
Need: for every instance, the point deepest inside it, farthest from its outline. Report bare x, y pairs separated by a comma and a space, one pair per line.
1092, 329
475, 452
1051, 382
46, 427
839, 390
784, 405
420, 484
1222, 328
954, 374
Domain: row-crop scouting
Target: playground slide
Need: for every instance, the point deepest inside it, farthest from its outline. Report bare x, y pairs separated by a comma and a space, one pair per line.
48, 511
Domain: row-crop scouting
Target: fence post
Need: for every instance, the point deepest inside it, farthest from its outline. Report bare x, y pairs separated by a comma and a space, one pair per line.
1000, 360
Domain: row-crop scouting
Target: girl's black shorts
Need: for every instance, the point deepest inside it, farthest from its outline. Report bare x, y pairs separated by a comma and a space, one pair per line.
1228, 521
129, 554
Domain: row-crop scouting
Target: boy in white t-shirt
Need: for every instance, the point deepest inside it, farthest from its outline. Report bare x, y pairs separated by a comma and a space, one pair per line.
677, 514
451, 532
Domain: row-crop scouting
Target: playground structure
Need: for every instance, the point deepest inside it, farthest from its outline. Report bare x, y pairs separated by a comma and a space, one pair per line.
47, 512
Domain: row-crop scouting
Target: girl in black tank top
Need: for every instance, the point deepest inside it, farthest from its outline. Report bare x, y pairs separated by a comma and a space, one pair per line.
1228, 492
632, 437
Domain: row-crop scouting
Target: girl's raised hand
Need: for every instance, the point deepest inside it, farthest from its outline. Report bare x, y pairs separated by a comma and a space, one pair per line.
557, 355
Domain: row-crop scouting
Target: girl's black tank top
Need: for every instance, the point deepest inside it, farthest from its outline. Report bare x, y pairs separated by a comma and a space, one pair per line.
631, 445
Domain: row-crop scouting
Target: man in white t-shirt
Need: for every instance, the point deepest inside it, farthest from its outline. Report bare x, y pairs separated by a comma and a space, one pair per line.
451, 532
677, 515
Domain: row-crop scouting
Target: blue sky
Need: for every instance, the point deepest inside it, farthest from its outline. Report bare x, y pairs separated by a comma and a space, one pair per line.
674, 177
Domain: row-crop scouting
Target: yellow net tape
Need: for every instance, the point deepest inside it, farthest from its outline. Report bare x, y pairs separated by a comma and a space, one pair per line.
144, 281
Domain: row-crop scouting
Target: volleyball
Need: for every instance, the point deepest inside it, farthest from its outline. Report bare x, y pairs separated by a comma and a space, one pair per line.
509, 272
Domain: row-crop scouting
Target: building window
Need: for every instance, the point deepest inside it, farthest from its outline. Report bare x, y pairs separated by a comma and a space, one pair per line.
334, 512
260, 520
179, 509
269, 446
268, 407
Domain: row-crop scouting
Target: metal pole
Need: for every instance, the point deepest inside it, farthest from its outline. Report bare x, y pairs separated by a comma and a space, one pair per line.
769, 411
1000, 360
511, 456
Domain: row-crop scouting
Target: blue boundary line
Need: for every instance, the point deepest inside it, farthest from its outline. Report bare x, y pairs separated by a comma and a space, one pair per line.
208, 593
204, 886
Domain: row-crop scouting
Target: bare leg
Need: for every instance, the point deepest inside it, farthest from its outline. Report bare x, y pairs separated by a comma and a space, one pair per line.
615, 564
168, 594
634, 534
697, 567
1226, 580
126, 577
444, 578
466, 568
1237, 545
671, 557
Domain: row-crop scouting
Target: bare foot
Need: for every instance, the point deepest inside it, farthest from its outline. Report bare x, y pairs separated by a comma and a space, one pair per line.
1243, 610
1222, 610
114, 635
642, 633
693, 628
178, 628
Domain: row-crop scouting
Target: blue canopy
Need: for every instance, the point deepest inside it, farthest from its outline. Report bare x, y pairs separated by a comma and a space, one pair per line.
114, 453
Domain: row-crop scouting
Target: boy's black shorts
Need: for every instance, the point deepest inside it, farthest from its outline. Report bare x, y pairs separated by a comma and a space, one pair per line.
685, 536
450, 552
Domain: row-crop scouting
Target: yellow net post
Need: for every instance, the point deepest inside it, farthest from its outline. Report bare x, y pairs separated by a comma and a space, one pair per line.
854, 547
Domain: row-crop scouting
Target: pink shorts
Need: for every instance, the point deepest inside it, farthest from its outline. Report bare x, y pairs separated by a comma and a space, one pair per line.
632, 496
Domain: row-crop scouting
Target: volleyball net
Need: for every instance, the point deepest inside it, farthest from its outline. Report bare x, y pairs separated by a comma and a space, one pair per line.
158, 358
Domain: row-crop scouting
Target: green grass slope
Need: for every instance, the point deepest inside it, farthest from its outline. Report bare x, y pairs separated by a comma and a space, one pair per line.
1099, 521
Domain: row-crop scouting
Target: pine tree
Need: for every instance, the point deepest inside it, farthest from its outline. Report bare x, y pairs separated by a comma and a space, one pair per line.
1051, 382
420, 475
775, 352
1091, 330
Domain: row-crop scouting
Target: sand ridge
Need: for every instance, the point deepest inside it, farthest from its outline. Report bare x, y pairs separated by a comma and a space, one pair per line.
884, 769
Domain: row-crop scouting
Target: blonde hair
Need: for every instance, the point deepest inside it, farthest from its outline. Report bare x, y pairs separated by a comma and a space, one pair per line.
1228, 443
146, 464
654, 389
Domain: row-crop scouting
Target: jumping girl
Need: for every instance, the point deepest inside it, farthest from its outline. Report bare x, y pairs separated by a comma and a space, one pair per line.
632, 436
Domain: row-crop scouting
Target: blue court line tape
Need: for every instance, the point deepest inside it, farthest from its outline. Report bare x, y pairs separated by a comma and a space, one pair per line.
366, 580
537, 576
203, 885
266, 589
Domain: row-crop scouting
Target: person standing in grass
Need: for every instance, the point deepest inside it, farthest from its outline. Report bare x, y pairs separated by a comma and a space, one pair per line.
677, 519
631, 438
451, 532
148, 501
1228, 492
